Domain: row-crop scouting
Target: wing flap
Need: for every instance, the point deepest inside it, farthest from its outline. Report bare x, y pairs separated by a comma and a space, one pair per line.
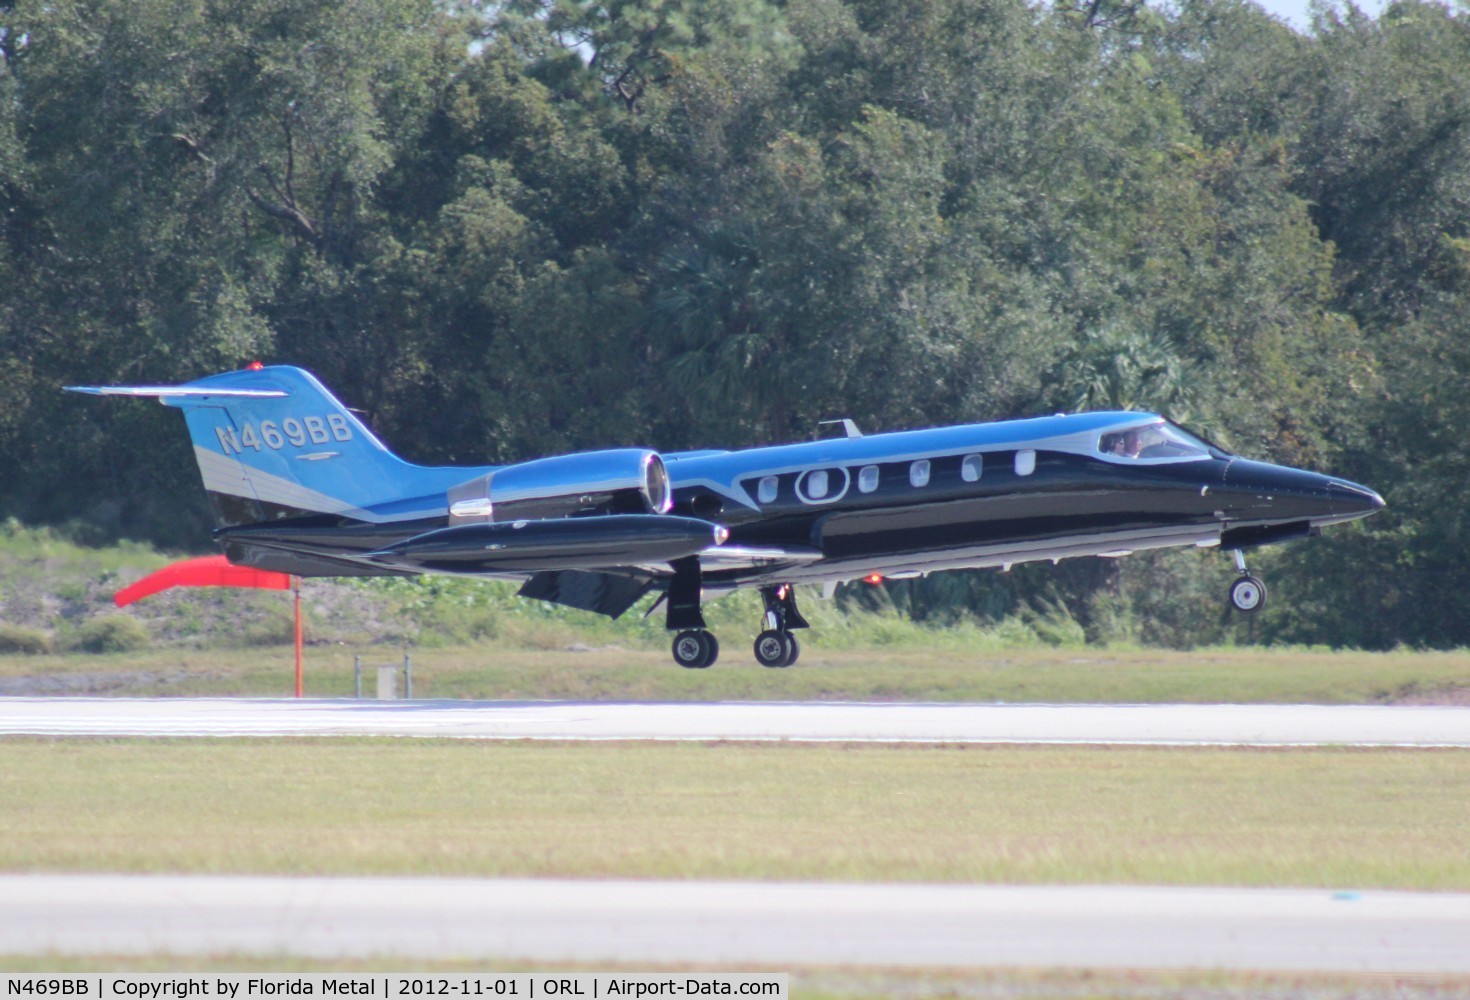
608, 594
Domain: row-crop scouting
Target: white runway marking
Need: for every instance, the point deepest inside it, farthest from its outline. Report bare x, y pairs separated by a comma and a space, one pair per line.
732, 923
1166, 725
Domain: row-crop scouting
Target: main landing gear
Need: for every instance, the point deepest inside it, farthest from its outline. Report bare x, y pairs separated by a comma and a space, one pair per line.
1247, 594
776, 646
695, 647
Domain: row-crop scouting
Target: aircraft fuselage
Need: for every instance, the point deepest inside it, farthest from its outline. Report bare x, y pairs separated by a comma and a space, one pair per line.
994, 495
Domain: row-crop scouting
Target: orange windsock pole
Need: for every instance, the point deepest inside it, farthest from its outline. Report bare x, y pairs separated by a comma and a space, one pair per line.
216, 571
297, 579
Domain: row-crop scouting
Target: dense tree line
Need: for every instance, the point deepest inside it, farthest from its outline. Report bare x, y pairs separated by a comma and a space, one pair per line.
516, 228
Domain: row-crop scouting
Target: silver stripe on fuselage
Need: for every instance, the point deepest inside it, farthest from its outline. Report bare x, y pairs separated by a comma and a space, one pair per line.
227, 475
984, 556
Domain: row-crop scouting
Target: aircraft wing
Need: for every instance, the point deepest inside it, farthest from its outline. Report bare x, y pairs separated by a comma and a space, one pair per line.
613, 591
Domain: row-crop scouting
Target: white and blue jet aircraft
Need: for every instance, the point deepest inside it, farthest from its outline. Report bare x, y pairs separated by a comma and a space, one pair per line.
298, 484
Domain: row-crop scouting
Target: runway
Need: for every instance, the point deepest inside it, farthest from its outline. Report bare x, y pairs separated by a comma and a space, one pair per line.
737, 923
727, 924
1162, 725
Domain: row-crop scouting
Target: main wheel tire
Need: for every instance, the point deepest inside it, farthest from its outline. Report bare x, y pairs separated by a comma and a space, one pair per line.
795, 653
773, 648
1247, 595
695, 649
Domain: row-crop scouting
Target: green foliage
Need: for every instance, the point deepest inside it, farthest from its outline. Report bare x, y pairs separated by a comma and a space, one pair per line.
27, 641
505, 230
111, 634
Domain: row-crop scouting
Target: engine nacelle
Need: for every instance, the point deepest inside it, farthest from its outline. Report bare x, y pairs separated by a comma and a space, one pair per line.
620, 481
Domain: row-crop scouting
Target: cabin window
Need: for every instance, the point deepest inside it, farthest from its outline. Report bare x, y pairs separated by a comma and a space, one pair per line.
816, 484
919, 473
766, 491
971, 468
868, 479
1025, 462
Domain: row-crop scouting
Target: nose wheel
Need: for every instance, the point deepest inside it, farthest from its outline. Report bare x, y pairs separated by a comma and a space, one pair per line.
1247, 593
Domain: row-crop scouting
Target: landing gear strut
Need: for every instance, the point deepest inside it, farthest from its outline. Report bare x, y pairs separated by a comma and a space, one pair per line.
776, 646
1247, 594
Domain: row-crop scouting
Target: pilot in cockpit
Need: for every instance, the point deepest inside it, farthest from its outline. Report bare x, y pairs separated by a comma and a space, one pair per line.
1125, 445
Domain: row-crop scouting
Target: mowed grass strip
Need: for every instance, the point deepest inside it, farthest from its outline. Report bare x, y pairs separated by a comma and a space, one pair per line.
1242, 675
1331, 818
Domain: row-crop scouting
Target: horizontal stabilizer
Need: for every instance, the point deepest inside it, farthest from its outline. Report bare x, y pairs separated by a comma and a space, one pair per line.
177, 391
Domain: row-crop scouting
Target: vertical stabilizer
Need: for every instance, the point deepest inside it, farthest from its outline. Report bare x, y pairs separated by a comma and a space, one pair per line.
273, 443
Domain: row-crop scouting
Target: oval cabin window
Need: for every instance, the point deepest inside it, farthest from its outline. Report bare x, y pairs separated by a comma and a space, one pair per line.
766, 492
919, 473
1025, 462
868, 479
971, 468
816, 484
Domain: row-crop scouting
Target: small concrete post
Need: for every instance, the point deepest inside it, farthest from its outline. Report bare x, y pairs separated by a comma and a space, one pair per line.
387, 683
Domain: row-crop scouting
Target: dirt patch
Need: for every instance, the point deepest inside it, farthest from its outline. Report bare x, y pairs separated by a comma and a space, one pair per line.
1458, 694
90, 683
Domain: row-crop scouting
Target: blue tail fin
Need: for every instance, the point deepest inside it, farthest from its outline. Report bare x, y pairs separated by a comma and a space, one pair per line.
273, 443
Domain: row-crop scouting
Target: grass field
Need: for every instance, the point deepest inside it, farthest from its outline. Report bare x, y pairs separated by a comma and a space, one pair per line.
1331, 818
1338, 819
1280, 676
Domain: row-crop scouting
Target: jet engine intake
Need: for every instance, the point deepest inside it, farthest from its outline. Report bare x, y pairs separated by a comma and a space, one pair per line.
618, 481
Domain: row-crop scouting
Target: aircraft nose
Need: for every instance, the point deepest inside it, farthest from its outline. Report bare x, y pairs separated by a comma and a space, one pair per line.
1351, 501
1280, 493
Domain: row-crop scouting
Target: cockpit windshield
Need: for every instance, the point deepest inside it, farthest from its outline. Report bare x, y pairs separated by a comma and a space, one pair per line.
1157, 440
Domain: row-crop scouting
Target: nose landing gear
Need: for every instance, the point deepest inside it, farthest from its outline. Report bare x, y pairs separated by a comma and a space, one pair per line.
1247, 593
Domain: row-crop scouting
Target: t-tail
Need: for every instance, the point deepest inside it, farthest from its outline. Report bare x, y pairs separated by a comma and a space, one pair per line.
273, 444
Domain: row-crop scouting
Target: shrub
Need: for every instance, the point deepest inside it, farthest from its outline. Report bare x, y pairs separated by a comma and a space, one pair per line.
112, 634
27, 641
